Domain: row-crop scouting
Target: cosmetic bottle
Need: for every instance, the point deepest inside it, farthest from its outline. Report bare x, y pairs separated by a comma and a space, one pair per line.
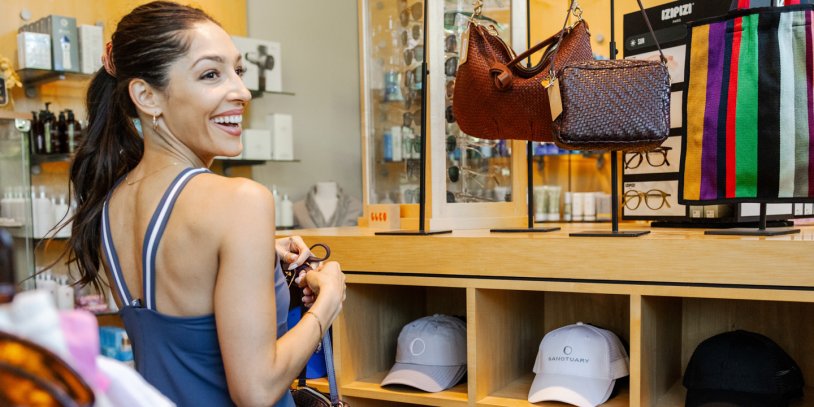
406, 143
397, 147
60, 140
277, 204
387, 144
5, 204
18, 206
43, 214
37, 136
64, 294
62, 216
46, 282
74, 131
286, 213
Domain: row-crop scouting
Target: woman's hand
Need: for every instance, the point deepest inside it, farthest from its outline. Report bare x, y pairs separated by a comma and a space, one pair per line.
327, 281
292, 251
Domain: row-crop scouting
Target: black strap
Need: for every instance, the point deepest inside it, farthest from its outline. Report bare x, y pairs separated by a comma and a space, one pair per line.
649, 27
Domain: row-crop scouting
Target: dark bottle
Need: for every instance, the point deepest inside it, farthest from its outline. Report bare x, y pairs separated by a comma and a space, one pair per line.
60, 145
48, 124
74, 130
7, 267
37, 136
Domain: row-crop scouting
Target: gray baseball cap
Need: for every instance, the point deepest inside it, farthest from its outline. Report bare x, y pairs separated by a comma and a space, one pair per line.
431, 354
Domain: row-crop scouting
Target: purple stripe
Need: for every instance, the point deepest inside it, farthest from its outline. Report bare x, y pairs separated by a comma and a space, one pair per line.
810, 78
709, 154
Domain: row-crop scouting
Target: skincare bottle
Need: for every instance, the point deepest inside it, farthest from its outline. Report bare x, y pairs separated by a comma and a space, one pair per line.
61, 216
60, 141
17, 203
37, 136
43, 214
48, 128
5, 204
48, 284
64, 294
406, 143
387, 144
397, 147
286, 212
74, 131
277, 204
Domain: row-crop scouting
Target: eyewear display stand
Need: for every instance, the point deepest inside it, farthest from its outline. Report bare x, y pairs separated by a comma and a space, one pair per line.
422, 188
614, 232
760, 231
530, 200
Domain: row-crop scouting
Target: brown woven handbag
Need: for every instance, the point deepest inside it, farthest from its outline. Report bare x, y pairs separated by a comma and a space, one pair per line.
612, 105
496, 96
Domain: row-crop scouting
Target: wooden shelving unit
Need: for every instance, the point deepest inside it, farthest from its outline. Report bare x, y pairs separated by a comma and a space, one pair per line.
662, 294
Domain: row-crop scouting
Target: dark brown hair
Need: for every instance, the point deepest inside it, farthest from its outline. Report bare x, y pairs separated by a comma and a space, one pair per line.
146, 42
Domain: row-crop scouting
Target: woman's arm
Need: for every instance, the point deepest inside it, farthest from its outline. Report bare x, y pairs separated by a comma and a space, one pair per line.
260, 367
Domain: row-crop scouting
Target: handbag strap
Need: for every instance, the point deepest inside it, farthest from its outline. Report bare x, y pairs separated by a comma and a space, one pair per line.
327, 349
653, 34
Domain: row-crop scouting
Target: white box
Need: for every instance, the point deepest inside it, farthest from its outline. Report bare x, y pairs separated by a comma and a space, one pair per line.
256, 144
260, 53
282, 136
33, 50
90, 48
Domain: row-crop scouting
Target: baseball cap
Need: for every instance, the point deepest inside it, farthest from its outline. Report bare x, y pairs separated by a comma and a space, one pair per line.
743, 369
578, 364
431, 354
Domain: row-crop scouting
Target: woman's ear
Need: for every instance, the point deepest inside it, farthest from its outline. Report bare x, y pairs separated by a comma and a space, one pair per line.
146, 99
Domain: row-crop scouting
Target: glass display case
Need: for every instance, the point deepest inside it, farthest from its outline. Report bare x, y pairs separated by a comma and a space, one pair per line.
467, 178
15, 186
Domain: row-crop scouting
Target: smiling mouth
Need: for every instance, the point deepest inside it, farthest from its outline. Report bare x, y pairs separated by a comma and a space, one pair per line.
228, 121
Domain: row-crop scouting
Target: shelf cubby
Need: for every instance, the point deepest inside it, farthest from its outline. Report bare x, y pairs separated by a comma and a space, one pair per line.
508, 327
673, 327
372, 318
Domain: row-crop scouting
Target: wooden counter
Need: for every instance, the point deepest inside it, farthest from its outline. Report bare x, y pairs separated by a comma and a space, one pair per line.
662, 293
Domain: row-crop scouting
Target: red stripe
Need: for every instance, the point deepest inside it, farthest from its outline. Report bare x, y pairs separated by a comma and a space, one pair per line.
732, 100
791, 2
743, 3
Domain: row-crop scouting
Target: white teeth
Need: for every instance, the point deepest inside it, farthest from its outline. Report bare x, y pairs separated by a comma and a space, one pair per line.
237, 119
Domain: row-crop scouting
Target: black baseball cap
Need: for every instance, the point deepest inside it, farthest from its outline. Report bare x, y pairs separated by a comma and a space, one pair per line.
741, 369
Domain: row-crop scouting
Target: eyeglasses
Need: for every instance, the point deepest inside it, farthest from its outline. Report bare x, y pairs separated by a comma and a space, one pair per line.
656, 158
451, 43
451, 66
454, 175
450, 115
654, 199
411, 117
414, 54
409, 40
416, 11
412, 79
32, 375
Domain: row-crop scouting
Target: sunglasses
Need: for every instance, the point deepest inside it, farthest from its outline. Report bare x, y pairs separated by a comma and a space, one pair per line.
451, 43
412, 79
450, 115
416, 11
450, 88
410, 35
451, 66
31, 375
414, 54
411, 117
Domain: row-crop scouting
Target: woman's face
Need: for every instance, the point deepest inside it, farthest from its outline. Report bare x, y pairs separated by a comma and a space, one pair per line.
205, 98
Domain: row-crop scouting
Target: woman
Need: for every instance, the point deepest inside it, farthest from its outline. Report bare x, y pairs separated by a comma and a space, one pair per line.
189, 251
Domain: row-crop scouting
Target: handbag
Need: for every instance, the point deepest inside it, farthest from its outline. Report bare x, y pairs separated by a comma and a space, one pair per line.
306, 396
495, 95
748, 108
611, 104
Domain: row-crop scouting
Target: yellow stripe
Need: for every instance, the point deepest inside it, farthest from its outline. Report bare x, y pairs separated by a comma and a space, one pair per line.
696, 104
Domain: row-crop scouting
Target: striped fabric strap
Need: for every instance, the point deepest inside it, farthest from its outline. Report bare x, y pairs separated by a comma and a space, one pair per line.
327, 349
156, 230
111, 256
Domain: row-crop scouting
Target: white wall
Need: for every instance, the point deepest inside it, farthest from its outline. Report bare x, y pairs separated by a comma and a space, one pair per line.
320, 63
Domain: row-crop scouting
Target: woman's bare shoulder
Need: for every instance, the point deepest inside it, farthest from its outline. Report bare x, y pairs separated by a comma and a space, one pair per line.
229, 199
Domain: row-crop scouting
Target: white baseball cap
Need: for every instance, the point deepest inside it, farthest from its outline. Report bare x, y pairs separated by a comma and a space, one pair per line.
431, 354
578, 364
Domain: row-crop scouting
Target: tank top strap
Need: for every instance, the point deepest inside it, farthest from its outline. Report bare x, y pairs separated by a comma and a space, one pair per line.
155, 231
109, 250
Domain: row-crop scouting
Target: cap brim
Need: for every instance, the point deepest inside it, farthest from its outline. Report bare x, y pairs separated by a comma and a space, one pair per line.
423, 377
724, 398
578, 391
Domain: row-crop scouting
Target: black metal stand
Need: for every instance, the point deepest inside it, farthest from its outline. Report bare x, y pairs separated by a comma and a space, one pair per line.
422, 188
614, 232
760, 231
530, 166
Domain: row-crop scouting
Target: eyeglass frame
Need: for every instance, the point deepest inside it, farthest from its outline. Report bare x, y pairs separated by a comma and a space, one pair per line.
627, 196
663, 150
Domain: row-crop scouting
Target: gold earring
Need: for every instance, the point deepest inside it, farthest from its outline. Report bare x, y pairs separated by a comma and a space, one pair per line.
155, 122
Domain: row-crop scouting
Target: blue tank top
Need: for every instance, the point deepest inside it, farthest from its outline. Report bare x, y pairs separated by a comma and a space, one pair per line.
180, 356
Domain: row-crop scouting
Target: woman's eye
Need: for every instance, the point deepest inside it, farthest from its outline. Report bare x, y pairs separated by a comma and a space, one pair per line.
241, 70
210, 75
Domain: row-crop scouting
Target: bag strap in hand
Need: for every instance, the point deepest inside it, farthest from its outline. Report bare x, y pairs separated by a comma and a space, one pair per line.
327, 349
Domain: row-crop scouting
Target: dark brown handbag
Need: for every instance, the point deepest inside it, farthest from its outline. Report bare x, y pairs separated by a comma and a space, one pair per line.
496, 96
612, 105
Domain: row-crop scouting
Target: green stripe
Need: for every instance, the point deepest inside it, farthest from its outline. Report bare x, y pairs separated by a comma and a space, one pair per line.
746, 112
